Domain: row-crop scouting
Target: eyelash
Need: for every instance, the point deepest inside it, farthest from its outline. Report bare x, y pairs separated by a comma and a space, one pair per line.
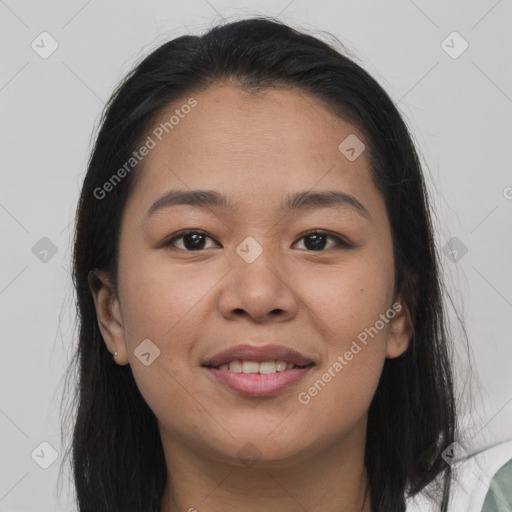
340, 243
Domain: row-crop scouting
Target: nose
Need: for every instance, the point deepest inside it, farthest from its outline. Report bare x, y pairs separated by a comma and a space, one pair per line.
260, 291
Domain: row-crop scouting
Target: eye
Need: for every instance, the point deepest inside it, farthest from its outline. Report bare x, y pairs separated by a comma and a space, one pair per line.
193, 240
317, 240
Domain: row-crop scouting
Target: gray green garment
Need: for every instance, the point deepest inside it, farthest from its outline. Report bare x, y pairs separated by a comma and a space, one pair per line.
499, 495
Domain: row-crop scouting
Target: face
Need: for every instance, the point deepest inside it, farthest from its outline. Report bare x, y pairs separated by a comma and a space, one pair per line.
315, 278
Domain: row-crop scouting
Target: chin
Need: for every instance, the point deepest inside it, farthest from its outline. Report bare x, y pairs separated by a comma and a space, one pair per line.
254, 451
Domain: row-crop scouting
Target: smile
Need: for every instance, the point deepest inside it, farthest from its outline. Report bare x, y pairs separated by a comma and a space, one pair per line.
255, 379
264, 368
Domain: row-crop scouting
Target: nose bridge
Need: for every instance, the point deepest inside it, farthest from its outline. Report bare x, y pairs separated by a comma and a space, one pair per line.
257, 262
258, 284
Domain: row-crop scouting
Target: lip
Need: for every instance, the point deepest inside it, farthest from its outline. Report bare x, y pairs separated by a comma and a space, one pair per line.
256, 384
258, 354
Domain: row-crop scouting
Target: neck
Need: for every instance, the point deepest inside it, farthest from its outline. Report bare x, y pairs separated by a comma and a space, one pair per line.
329, 481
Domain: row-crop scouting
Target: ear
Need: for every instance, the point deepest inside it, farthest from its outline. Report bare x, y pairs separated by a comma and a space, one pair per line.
108, 312
400, 330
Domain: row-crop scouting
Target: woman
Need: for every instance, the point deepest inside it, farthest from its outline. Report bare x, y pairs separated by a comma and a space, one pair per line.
261, 324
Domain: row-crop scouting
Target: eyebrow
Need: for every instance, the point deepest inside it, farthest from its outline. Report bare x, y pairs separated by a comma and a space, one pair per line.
305, 200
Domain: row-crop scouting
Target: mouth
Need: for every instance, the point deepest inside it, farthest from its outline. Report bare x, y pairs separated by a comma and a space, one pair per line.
258, 371
248, 367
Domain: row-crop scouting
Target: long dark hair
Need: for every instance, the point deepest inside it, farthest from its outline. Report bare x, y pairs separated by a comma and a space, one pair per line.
117, 457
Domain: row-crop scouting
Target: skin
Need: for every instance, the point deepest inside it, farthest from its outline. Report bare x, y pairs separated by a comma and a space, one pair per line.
193, 304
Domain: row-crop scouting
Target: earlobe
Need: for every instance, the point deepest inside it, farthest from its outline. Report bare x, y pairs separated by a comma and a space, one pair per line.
400, 332
108, 314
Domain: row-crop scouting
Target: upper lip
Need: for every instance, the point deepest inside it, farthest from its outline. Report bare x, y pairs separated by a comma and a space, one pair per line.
258, 354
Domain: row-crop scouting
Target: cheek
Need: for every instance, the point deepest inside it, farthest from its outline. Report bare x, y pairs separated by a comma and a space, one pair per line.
348, 304
341, 391
162, 304
159, 299
347, 299
168, 305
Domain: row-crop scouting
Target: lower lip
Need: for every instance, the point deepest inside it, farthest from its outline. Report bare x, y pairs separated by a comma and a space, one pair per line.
257, 384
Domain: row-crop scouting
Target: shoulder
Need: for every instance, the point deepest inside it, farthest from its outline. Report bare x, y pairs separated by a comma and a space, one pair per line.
481, 482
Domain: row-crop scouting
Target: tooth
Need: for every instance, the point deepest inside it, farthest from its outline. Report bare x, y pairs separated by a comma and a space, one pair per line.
280, 366
250, 367
268, 367
235, 366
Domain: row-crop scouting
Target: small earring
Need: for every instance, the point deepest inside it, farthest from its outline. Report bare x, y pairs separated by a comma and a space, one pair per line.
115, 354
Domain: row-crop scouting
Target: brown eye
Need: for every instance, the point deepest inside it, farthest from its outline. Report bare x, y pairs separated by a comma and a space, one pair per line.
318, 240
192, 240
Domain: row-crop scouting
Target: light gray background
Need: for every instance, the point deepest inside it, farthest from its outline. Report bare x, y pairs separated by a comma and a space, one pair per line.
457, 109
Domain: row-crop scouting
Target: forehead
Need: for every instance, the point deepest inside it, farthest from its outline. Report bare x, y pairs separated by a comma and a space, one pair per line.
249, 143
263, 123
